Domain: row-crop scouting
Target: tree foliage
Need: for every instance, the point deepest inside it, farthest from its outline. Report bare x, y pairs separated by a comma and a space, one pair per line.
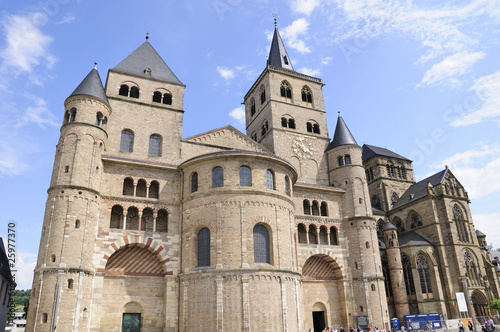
495, 304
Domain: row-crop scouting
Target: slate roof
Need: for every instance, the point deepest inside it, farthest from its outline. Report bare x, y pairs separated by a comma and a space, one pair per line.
146, 62
370, 151
409, 239
278, 56
480, 234
4, 262
91, 86
342, 135
419, 189
388, 225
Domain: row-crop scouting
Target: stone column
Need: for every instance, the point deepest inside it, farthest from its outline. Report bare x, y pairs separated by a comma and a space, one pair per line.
220, 304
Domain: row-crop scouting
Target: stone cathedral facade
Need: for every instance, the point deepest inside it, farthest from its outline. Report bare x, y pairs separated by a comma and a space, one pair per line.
278, 229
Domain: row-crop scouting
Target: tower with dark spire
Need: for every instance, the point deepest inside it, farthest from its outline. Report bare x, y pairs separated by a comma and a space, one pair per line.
285, 112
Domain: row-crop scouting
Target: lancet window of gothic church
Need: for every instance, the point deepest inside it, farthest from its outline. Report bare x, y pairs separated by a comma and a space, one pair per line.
262, 94
252, 107
387, 277
307, 207
194, 182
285, 91
217, 177
203, 248
334, 239
423, 273
302, 233
116, 217
287, 185
407, 274
462, 231
313, 236
245, 176
400, 227
473, 277
306, 96
261, 244
415, 220
270, 180
141, 189
155, 145
154, 189
128, 187
127, 141
315, 208
162, 221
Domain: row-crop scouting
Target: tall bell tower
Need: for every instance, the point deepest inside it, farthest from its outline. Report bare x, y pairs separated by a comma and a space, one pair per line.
285, 112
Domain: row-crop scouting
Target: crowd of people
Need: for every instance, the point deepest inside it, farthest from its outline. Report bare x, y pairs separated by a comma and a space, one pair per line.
351, 329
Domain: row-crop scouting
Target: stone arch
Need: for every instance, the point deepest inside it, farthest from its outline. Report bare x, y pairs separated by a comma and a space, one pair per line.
480, 303
140, 241
321, 266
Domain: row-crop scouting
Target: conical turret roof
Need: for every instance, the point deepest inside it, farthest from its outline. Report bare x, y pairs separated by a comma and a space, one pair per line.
91, 86
278, 57
342, 135
146, 62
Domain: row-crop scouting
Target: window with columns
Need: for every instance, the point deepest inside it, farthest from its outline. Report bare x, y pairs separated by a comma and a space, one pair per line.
423, 274
461, 225
133, 219
407, 274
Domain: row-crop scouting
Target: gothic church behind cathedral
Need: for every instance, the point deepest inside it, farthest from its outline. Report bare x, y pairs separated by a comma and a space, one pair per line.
281, 229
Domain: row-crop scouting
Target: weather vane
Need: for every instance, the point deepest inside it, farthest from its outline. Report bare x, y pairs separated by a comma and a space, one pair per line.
275, 16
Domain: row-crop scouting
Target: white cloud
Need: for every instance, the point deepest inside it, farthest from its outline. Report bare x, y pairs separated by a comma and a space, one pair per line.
309, 71
451, 67
292, 33
488, 224
486, 94
27, 46
326, 60
68, 18
39, 114
477, 169
11, 162
225, 72
26, 263
238, 114
304, 6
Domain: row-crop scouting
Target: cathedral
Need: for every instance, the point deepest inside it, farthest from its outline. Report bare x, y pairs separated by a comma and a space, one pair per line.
279, 229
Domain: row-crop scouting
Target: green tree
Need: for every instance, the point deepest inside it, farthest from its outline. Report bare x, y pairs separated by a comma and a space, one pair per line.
495, 304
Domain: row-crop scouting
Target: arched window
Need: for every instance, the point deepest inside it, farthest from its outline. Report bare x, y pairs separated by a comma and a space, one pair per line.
376, 202
194, 182
347, 159
408, 276
167, 98
70, 283
157, 97
291, 123
252, 107
286, 91
316, 128
287, 185
415, 219
323, 235
367, 245
72, 115
423, 273
132, 221
77, 223
394, 198
380, 224
284, 122
254, 136
403, 172
270, 179
116, 217
98, 119
400, 228
306, 96
262, 94
204, 247
390, 170
53, 258
313, 239
128, 187
127, 141
333, 236
463, 234
261, 245
387, 277
123, 90
162, 221
44, 318
217, 177
155, 145
245, 176
373, 287
324, 209
309, 127
341, 161
473, 276
315, 208
307, 207
154, 189
141, 188
134, 92
147, 223
302, 232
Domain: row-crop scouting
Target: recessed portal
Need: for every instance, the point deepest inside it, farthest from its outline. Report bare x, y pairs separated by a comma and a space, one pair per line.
131, 322
318, 320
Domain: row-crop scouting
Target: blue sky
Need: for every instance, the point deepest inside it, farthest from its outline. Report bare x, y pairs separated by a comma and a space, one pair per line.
420, 78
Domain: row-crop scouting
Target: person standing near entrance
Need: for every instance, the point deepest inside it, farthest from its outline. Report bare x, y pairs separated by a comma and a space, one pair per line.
470, 326
461, 326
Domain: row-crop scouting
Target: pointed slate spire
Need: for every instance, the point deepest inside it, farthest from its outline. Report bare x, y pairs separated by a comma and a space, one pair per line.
342, 135
278, 57
91, 86
146, 62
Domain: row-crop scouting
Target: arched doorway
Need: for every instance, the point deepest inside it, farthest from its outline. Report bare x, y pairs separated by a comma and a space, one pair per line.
318, 316
480, 304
